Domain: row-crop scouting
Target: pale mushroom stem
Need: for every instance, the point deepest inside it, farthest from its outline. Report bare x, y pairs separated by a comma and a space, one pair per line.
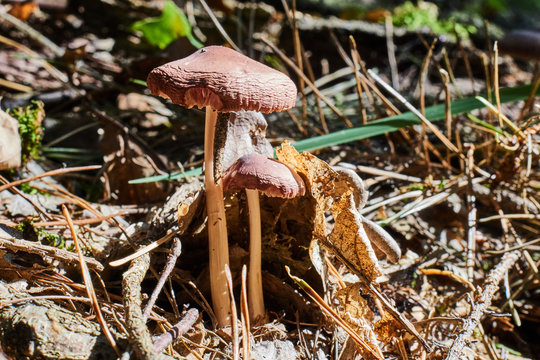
217, 227
255, 291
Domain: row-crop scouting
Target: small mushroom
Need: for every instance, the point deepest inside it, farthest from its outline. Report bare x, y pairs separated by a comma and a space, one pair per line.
221, 80
521, 44
254, 173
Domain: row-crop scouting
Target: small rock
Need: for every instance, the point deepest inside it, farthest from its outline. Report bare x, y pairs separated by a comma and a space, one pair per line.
276, 349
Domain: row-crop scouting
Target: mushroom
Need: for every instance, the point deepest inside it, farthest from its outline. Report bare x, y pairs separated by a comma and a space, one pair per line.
521, 44
254, 173
221, 80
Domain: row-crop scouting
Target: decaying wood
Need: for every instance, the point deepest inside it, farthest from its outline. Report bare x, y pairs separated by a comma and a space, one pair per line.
7, 241
43, 330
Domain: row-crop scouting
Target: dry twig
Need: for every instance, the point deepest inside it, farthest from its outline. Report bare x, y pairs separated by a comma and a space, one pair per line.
483, 300
177, 330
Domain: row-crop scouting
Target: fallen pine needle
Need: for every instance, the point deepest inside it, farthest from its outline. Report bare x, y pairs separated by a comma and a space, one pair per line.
244, 315
450, 275
88, 283
142, 250
49, 173
234, 316
334, 315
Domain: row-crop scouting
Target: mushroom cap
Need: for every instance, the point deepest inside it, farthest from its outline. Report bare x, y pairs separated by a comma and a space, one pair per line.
521, 44
224, 79
269, 176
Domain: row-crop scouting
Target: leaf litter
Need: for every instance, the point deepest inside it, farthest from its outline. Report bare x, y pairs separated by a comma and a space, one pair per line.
326, 238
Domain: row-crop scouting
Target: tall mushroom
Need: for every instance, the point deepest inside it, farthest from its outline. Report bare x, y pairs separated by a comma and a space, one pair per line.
221, 80
254, 173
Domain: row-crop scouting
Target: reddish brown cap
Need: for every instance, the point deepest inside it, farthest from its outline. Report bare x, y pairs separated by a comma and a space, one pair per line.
269, 176
224, 79
521, 44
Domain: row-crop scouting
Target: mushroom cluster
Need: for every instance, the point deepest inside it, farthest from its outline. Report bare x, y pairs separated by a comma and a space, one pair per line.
257, 173
221, 80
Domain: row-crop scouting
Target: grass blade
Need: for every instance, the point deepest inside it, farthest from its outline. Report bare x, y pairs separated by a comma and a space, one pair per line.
377, 127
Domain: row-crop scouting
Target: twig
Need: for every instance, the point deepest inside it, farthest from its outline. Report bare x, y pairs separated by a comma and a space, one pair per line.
291, 17
447, 103
218, 26
450, 72
334, 315
177, 330
15, 86
139, 336
465, 59
317, 100
44, 297
517, 247
510, 216
96, 220
169, 267
449, 274
51, 69
293, 66
88, 283
25, 197
33, 247
483, 300
143, 250
496, 81
399, 317
49, 173
411, 108
36, 35
422, 79
510, 301
356, 60
471, 211
234, 316
391, 49
203, 302
503, 118
244, 315
532, 94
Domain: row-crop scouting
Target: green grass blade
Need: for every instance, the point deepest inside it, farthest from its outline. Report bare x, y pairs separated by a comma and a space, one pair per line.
377, 127
396, 122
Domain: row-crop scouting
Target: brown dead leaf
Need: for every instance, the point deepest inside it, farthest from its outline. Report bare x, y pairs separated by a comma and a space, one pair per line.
356, 311
125, 160
10, 142
147, 110
332, 193
353, 303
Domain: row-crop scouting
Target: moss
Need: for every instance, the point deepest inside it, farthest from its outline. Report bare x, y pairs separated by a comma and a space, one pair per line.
30, 129
426, 14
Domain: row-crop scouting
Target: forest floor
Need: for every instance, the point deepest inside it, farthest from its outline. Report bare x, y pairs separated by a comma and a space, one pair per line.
99, 262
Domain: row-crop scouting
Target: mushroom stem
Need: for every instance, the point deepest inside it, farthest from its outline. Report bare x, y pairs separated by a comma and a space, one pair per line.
255, 291
217, 226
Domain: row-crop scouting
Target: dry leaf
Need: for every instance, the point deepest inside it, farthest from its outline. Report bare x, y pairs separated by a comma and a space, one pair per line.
356, 312
125, 160
331, 191
148, 110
